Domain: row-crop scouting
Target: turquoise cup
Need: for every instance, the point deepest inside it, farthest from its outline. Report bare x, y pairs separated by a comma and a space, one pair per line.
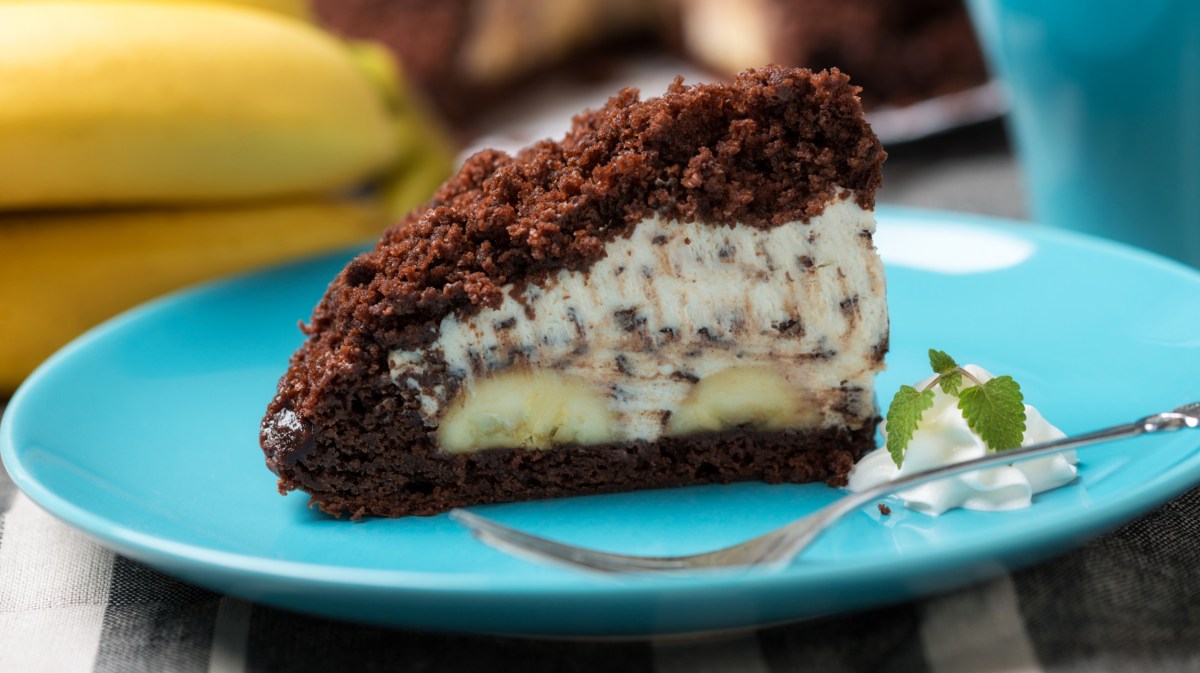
1105, 113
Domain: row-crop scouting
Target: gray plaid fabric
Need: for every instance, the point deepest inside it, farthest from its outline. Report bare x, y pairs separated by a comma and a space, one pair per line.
1127, 602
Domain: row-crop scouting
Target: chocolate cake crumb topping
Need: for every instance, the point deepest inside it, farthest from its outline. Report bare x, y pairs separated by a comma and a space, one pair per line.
771, 147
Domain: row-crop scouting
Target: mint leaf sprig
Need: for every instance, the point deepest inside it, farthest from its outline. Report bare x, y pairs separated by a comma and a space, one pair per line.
995, 409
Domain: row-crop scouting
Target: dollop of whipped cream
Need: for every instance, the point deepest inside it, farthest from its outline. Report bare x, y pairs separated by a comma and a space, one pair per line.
943, 437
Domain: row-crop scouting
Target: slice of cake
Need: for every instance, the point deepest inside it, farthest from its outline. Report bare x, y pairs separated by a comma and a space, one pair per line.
682, 291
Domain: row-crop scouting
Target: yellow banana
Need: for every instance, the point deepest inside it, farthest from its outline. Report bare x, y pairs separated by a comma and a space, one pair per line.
413, 182
62, 272
130, 103
426, 157
297, 9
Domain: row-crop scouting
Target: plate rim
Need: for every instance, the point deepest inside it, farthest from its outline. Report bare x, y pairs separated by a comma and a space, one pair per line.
324, 575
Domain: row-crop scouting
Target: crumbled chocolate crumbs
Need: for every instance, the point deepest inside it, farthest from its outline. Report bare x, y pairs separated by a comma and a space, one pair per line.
771, 147
790, 327
686, 377
629, 319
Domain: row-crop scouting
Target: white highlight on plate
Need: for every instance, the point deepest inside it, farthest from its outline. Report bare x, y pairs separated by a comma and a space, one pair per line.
949, 249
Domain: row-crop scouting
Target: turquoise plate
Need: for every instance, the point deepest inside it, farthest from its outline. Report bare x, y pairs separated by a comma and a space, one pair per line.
143, 434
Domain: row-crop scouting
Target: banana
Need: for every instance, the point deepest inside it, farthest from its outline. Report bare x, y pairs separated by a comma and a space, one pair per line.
426, 157
751, 396
411, 184
540, 409
114, 103
297, 9
63, 272
533, 410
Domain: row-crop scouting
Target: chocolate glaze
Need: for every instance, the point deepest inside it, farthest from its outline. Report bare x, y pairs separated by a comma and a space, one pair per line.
774, 146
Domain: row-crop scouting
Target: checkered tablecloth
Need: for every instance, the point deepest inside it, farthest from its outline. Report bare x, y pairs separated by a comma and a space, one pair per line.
1128, 602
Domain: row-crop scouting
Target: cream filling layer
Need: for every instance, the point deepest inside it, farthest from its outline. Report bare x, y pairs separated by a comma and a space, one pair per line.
797, 310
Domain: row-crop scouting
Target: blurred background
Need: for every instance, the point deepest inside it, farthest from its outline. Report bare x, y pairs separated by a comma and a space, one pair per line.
145, 146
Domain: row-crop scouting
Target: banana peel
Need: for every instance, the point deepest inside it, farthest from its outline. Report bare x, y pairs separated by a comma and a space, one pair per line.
120, 103
63, 272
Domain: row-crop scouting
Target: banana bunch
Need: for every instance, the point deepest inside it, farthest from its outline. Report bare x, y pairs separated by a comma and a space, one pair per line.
146, 145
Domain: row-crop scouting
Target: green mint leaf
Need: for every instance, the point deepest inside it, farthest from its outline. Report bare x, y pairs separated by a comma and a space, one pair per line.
996, 411
949, 374
903, 416
941, 362
951, 382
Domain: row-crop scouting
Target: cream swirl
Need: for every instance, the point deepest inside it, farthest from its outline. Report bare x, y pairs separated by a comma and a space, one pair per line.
943, 437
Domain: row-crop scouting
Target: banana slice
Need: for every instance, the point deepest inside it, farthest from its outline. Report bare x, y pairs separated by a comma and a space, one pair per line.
756, 397
533, 410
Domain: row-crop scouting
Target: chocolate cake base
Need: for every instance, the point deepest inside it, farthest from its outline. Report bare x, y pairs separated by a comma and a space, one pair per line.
429, 482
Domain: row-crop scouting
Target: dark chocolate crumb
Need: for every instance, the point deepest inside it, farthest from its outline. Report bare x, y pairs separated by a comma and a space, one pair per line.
573, 316
688, 377
789, 327
629, 319
879, 350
